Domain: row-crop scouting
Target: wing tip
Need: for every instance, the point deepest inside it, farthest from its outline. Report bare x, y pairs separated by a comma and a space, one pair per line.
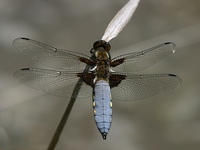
23, 38
173, 75
16, 73
179, 80
169, 43
20, 38
173, 45
26, 69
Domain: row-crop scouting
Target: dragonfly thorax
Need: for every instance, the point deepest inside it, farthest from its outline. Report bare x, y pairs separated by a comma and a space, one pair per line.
101, 54
102, 59
102, 66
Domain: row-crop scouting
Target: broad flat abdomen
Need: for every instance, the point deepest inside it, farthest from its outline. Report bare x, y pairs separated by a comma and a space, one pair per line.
102, 104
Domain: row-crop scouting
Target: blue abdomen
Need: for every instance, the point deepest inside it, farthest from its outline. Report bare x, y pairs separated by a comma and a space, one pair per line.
102, 104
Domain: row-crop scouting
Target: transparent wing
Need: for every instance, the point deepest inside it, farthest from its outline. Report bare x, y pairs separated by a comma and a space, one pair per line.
138, 61
50, 56
136, 87
58, 83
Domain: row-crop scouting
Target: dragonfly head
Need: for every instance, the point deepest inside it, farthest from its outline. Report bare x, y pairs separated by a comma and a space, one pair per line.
101, 43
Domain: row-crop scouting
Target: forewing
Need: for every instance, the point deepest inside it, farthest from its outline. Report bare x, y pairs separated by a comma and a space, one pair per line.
138, 61
135, 87
50, 56
58, 83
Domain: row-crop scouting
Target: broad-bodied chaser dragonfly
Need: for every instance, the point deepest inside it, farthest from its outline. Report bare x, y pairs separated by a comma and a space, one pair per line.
100, 76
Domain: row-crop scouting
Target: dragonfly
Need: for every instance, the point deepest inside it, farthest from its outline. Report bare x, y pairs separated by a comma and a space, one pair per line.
99, 75
104, 78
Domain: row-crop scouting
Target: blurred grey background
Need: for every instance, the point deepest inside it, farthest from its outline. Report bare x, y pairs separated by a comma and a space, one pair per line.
171, 121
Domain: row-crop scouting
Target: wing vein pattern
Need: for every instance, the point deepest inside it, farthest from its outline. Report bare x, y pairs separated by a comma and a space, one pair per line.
136, 87
60, 83
138, 61
50, 56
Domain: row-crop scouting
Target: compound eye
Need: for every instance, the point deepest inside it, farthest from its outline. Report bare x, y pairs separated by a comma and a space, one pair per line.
101, 43
96, 45
107, 46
